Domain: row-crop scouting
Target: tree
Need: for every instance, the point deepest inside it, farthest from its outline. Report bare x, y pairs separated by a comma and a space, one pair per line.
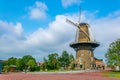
6, 68
20, 64
11, 61
71, 57
31, 64
25, 60
113, 54
8, 63
51, 62
64, 59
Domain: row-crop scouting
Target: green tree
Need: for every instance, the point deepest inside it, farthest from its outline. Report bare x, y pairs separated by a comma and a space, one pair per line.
45, 65
8, 63
6, 68
51, 61
31, 64
64, 59
20, 64
71, 57
26, 59
113, 54
11, 61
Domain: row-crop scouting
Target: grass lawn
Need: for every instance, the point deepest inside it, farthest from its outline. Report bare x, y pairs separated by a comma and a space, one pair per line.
112, 74
55, 71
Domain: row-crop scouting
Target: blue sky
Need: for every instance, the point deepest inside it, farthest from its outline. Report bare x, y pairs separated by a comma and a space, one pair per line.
38, 27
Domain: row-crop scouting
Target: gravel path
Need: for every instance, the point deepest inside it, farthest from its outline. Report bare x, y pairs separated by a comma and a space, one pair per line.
67, 76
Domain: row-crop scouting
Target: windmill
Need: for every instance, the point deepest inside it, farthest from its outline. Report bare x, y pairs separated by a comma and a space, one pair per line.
84, 45
79, 28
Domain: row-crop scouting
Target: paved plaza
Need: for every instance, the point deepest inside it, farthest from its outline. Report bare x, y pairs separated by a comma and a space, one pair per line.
54, 76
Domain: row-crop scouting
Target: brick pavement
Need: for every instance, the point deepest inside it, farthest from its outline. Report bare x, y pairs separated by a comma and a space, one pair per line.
74, 76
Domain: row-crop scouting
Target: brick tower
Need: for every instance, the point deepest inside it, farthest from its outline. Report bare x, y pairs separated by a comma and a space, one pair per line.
84, 46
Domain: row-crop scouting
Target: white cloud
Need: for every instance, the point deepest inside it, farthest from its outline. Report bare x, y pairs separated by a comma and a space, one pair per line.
38, 11
106, 30
37, 14
18, 29
41, 5
67, 3
11, 36
57, 33
11, 29
56, 36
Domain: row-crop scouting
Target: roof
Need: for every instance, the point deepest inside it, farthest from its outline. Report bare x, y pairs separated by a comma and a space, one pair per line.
13, 66
98, 59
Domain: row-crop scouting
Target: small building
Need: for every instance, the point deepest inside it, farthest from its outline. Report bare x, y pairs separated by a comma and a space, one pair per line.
12, 68
100, 65
40, 63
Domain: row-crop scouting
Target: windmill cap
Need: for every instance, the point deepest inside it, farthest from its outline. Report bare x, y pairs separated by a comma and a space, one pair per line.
84, 24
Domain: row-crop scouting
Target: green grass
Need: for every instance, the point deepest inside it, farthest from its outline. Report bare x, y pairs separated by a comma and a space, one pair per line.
56, 71
52, 71
112, 74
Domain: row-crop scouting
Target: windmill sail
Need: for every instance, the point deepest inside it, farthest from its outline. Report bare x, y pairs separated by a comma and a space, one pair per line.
77, 35
79, 16
90, 34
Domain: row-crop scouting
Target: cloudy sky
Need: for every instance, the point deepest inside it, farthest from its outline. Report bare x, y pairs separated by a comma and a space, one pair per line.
38, 27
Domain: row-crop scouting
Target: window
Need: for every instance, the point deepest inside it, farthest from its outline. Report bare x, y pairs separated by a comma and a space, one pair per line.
75, 65
80, 59
92, 65
81, 66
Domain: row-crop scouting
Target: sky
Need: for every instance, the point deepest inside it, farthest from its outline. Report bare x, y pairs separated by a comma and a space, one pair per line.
38, 27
